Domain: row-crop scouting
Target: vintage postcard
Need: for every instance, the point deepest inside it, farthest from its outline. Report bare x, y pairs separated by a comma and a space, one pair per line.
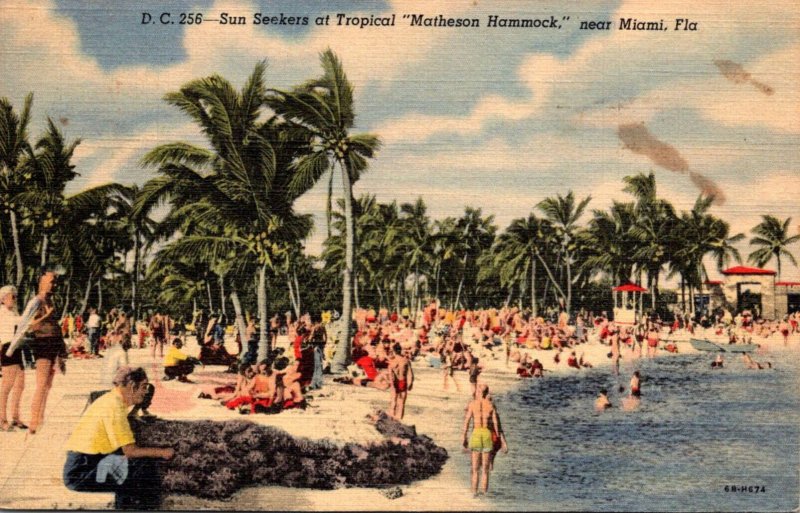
400, 255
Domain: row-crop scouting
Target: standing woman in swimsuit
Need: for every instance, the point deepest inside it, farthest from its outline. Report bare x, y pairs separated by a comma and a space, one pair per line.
49, 350
13, 369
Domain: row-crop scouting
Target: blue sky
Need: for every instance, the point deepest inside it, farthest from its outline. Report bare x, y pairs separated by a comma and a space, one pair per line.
495, 118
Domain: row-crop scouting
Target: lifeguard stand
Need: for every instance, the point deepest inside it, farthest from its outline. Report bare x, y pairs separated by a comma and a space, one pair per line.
628, 303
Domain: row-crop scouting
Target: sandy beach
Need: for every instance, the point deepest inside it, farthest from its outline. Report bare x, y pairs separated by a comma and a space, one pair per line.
337, 413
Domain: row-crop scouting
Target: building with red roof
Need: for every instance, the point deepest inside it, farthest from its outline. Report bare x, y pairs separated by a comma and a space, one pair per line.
754, 289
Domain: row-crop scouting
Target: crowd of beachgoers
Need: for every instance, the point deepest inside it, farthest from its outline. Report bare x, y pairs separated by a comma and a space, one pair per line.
383, 346
386, 346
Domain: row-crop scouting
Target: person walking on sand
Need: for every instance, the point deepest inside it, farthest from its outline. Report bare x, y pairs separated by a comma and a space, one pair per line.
93, 326
49, 350
448, 369
481, 412
402, 380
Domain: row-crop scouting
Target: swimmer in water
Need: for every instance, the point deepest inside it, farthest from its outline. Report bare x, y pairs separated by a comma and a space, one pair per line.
602, 403
633, 401
752, 364
718, 362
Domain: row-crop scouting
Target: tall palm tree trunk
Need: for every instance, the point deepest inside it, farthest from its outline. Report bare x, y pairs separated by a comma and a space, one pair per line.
99, 295
380, 296
569, 283
297, 292
135, 280
550, 275
66, 297
240, 324
263, 337
208, 291
458, 292
17, 250
683, 294
342, 357
44, 251
654, 290
398, 291
355, 292
86, 296
292, 297
534, 308
438, 272
222, 294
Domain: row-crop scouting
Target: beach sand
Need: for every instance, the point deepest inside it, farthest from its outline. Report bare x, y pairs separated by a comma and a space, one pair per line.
31, 465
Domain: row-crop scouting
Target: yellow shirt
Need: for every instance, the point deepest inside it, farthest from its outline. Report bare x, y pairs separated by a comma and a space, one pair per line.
173, 357
104, 426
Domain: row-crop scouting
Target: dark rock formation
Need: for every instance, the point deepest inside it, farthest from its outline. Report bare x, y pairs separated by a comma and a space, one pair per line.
215, 459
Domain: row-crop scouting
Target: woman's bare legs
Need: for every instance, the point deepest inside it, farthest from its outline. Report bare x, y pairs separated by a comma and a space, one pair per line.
13, 384
45, 370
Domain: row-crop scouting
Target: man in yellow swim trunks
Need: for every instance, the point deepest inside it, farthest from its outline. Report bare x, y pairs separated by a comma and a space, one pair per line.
484, 417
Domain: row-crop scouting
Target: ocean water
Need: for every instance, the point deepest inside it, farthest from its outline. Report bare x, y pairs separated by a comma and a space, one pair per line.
697, 431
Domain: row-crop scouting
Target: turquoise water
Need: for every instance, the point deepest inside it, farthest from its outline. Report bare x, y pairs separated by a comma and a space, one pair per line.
696, 431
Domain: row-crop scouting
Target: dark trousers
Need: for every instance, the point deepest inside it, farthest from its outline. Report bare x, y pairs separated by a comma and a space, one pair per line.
181, 369
141, 490
94, 340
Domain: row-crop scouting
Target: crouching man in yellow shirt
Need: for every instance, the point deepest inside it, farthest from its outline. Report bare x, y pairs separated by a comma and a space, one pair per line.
178, 364
102, 454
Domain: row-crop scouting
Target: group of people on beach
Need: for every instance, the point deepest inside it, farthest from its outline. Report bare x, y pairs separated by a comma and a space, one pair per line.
45, 343
385, 347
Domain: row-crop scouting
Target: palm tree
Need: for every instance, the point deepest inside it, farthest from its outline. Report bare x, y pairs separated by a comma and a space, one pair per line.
323, 109
13, 146
416, 242
516, 253
701, 235
772, 235
446, 245
563, 213
477, 235
612, 245
87, 237
50, 171
654, 229
141, 230
241, 183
